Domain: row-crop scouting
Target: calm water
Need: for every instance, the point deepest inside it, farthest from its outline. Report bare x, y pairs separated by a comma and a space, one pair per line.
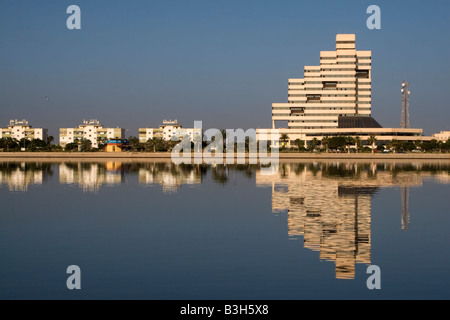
159, 231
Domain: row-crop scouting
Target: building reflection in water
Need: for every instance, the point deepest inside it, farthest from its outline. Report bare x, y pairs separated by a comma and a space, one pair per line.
90, 176
329, 204
20, 175
170, 176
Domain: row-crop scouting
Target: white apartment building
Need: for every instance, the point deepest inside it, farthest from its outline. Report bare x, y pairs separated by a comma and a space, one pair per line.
19, 129
91, 130
168, 130
442, 136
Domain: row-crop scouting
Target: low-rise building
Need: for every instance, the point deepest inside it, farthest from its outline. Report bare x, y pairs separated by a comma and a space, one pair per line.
168, 130
19, 129
117, 145
442, 136
91, 130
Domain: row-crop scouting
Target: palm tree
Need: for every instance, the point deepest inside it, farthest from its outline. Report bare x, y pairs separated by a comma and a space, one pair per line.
349, 141
394, 144
326, 142
358, 143
313, 144
284, 138
50, 139
299, 143
372, 141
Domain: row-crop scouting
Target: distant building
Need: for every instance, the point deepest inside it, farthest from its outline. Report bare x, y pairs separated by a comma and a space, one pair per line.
168, 130
117, 145
19, 129
442, 136
91, 130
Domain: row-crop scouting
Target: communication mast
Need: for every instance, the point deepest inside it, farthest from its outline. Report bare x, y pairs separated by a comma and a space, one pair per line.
404, 123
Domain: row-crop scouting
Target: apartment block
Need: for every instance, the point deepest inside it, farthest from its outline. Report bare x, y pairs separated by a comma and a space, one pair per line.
19, 129
442, 136
168, 130
91, 130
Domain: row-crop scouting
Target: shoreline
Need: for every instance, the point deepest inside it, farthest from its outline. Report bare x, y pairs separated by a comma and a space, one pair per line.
76, 156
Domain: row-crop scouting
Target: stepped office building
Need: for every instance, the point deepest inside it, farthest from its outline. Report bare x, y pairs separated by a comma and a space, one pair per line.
334, 99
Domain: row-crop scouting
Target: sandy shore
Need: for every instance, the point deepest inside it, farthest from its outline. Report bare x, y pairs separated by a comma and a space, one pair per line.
135, 156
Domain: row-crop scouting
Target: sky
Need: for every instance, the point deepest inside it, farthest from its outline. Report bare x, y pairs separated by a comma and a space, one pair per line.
134, 63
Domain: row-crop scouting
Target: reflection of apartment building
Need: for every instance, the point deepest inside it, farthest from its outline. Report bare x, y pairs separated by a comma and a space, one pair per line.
170, 177
91, 130
168, 130
19, 129
18, 178
90, 176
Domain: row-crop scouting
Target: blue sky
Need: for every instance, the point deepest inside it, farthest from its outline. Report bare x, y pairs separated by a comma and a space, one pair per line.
135, 63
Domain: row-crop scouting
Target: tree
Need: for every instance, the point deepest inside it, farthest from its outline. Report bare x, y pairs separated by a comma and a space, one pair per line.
313, 144
101, 142
394, 144
85, 145
24, 143
446, 145
134, 144
50, 139
348, 142
300, 144
9, 144
326, 142
73, 146
337, 143
418, 144
372, 140
407, 146
284, 139
38, 144
358, 143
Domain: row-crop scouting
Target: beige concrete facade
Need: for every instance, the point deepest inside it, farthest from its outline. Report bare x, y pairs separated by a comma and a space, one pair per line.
442, 136
339, 88
168, 130
91, 130
19, 129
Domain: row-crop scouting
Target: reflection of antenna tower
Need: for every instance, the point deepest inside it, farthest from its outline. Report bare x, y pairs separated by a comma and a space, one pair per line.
404, 123
405, 201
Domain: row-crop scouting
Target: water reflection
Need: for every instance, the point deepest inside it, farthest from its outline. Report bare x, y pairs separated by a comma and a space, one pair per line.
20, 175
91, 176
170, 176
329, 204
